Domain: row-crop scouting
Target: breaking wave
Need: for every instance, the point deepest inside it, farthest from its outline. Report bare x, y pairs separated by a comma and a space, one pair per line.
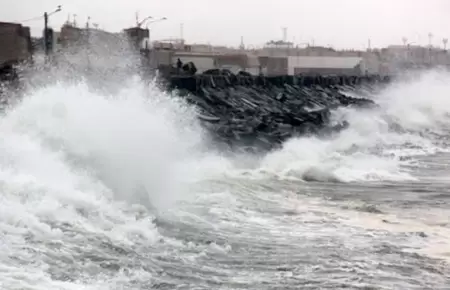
136, 138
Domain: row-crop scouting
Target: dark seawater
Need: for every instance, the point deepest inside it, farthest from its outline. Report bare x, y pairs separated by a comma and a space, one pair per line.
125, 192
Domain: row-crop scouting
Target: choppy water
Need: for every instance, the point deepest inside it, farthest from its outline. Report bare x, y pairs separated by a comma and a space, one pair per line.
125, 191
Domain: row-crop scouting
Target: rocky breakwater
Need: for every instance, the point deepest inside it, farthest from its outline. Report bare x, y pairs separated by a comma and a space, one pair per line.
255, 112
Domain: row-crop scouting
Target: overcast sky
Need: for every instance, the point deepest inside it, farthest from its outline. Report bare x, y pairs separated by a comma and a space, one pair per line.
339, 23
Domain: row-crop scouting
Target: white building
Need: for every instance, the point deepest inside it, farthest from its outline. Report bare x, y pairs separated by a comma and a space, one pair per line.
325, 65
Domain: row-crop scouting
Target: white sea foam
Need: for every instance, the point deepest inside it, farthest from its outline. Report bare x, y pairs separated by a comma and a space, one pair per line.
375, 145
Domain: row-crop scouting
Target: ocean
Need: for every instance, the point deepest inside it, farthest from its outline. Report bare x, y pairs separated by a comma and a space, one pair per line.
126, 190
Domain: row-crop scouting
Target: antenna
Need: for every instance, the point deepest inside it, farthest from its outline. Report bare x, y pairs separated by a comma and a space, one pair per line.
430, 39
404, 40
182, 31
242, 46
75, 20
136, 15
445, 41
284, 29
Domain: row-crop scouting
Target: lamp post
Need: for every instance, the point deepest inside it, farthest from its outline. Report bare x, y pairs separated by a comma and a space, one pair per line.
46, 15
139, 24
156, 20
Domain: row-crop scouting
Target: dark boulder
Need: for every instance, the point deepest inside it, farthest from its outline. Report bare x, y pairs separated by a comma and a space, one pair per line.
189, 68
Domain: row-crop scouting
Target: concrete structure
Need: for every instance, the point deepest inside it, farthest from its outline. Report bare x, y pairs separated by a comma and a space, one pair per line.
311, 65
139, 37
273, 66
208, 48
239, 62
202, 61
15, 44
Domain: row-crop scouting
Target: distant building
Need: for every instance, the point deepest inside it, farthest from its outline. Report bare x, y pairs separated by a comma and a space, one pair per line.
325, 65
70, 35
76, 36
202, 61
399, 58
92, 48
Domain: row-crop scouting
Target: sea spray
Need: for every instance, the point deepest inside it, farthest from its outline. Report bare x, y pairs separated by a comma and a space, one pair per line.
131, 143
410, 119
84, 175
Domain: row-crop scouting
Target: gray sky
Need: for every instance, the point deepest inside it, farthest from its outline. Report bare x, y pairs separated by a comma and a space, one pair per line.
340, 23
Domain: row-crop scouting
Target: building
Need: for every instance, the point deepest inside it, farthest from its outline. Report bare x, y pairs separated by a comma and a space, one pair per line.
139, 37
90, 49
325, 65
15, 43
70, 36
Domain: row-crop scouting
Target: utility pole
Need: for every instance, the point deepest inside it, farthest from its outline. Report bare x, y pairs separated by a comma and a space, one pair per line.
46, 48
47, 32
88, 44
430, 39
430, 46
182, 32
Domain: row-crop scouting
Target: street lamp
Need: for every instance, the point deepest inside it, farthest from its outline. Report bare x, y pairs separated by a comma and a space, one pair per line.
46, 15
157, 20
139, 24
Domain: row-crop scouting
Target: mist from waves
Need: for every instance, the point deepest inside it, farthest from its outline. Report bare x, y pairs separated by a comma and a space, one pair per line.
77, 163
75, 160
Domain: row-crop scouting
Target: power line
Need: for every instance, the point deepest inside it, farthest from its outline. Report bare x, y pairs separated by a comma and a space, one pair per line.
41, 16
31, 19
